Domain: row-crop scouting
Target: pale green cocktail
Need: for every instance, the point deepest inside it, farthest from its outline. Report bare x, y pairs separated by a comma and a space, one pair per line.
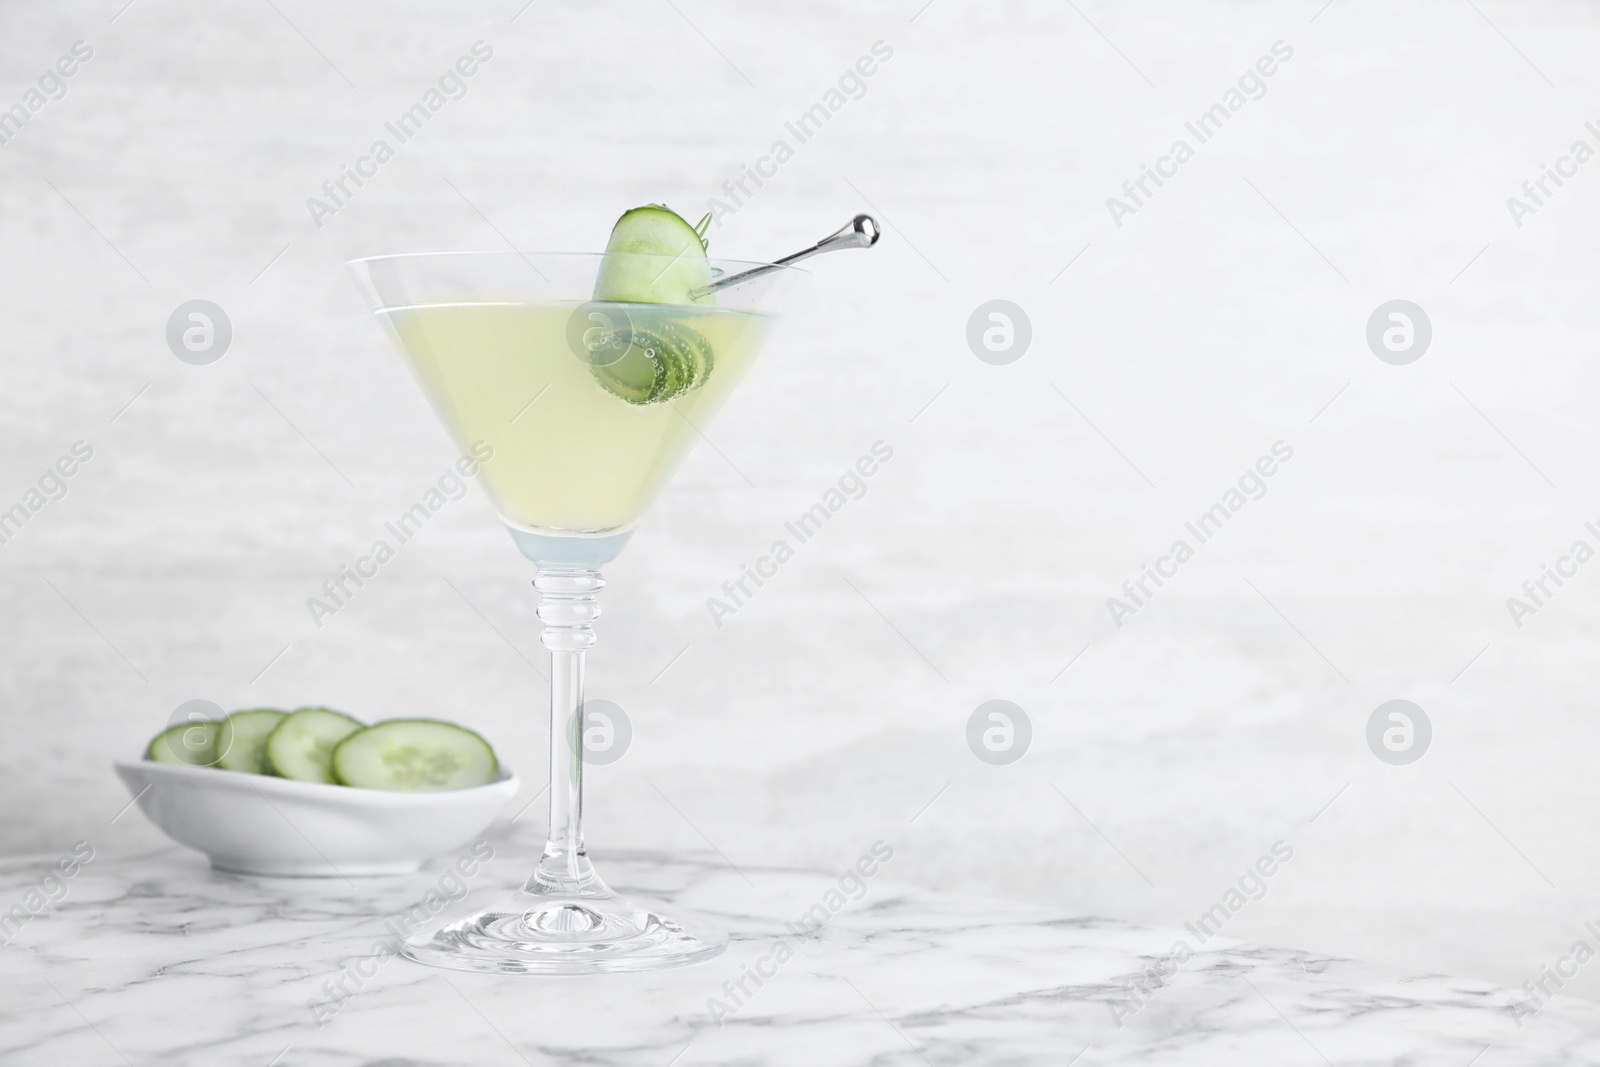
570, 455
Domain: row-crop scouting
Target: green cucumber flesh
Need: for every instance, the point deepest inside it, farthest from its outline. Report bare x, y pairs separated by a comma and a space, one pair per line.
301, 746
193, 743
415, 755
653, 257
242, 741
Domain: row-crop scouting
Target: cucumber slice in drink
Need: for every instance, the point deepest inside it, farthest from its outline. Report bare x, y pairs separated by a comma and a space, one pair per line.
416, 756
654, 230
242, 741
664, 359
301, 746
193, 743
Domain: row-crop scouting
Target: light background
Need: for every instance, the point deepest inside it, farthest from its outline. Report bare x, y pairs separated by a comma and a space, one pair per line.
1226, 315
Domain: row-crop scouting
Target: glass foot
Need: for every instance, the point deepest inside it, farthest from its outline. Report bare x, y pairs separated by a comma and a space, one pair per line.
578, 933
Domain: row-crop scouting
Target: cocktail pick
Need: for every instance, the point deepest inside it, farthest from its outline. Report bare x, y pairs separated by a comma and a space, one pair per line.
862, 231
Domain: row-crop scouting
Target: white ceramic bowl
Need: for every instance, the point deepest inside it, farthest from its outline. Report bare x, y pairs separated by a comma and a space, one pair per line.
256, 824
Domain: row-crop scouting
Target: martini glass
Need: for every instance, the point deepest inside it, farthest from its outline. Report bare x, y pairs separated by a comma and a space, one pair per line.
579, 411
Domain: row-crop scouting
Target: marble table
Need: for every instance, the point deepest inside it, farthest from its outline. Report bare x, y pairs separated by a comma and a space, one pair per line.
155, 959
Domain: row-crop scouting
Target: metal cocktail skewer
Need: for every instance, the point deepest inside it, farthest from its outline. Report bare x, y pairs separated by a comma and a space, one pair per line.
862, 231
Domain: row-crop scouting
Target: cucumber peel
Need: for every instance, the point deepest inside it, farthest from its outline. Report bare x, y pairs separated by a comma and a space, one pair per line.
654, 257
301, 746
415, 756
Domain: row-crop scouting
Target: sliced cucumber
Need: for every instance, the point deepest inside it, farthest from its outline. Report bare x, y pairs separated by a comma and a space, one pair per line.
415, 755
654, 257
242, 741
301, 746
664, 359
194, 743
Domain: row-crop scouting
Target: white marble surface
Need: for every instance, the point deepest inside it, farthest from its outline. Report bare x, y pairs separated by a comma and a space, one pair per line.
1210, 325
154, 959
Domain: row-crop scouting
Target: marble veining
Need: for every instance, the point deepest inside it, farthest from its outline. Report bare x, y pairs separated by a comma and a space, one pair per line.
154, 958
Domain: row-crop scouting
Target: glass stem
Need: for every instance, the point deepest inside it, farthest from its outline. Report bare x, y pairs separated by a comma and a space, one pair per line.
568, 609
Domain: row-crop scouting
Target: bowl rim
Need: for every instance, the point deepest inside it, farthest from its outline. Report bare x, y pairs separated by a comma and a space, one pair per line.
238, 781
